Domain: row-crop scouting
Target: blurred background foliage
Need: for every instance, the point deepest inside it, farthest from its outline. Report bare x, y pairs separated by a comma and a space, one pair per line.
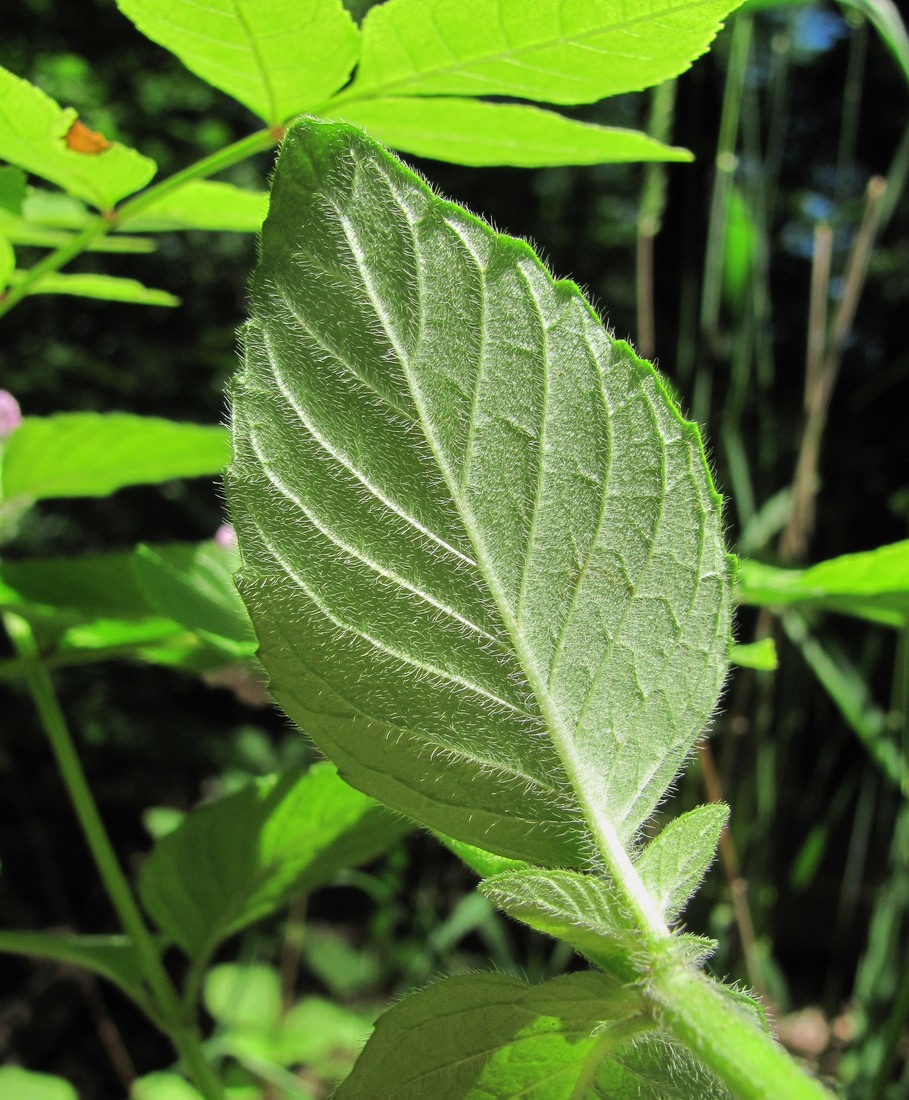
796, 116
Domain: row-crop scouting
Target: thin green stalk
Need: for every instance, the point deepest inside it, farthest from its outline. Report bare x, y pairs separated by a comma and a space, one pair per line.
181, 1031
744, 1057
653, 203
208, 166
725, 168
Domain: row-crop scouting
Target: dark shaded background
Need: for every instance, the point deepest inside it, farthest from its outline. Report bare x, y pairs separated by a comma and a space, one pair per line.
153, 737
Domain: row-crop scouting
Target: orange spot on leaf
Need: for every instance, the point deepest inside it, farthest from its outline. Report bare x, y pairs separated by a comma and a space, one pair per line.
82, 140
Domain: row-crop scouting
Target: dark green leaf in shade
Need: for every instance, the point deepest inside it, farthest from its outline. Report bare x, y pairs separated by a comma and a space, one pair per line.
239, 859
112, 957
493, 1037
12, 189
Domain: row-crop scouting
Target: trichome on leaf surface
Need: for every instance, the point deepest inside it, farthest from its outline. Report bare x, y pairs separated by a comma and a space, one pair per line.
483, 555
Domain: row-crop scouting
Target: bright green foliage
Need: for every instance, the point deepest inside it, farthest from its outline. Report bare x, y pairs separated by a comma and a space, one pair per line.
241, 858
164, 1086
172, 604
12, 190
673, 864
246, 1004
7, 262
93, 454
553, 50
204, 204
761, 655
471, 131
108, 288
112, 957
33, 131
22, 1084
492, 1037
474, 528
278, 57
871, 585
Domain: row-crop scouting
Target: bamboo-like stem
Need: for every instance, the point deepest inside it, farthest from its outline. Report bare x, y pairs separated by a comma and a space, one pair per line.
180, 1030
653, 202
823, 362
738, 887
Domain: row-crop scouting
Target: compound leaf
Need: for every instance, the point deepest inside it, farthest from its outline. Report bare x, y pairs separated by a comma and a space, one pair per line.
469, 131
33, 133
277, 57
481, 548
555, 51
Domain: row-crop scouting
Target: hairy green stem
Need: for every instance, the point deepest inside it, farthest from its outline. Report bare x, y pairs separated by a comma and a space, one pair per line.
181, 1031
745, 1058
208, 166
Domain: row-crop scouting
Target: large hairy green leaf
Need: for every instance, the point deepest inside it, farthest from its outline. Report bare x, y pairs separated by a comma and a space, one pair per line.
277, 57
481, 548
556, 51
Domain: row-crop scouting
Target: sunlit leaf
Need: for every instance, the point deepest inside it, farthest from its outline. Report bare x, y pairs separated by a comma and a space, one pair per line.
23, 1084
673, 863
469, 131
203, 204
108, 288
278, 57
94, 454
33, 131
873, 584
552, 50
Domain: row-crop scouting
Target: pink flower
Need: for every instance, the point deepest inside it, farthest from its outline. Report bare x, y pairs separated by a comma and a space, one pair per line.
10, 414
226, 535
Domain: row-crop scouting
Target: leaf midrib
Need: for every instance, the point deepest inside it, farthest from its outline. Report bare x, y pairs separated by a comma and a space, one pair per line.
617, 860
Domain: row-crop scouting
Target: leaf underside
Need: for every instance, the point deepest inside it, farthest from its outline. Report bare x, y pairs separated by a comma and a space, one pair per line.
481, 549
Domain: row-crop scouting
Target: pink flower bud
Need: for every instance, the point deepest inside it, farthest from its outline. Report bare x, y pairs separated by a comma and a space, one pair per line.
226, 536
10, 414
